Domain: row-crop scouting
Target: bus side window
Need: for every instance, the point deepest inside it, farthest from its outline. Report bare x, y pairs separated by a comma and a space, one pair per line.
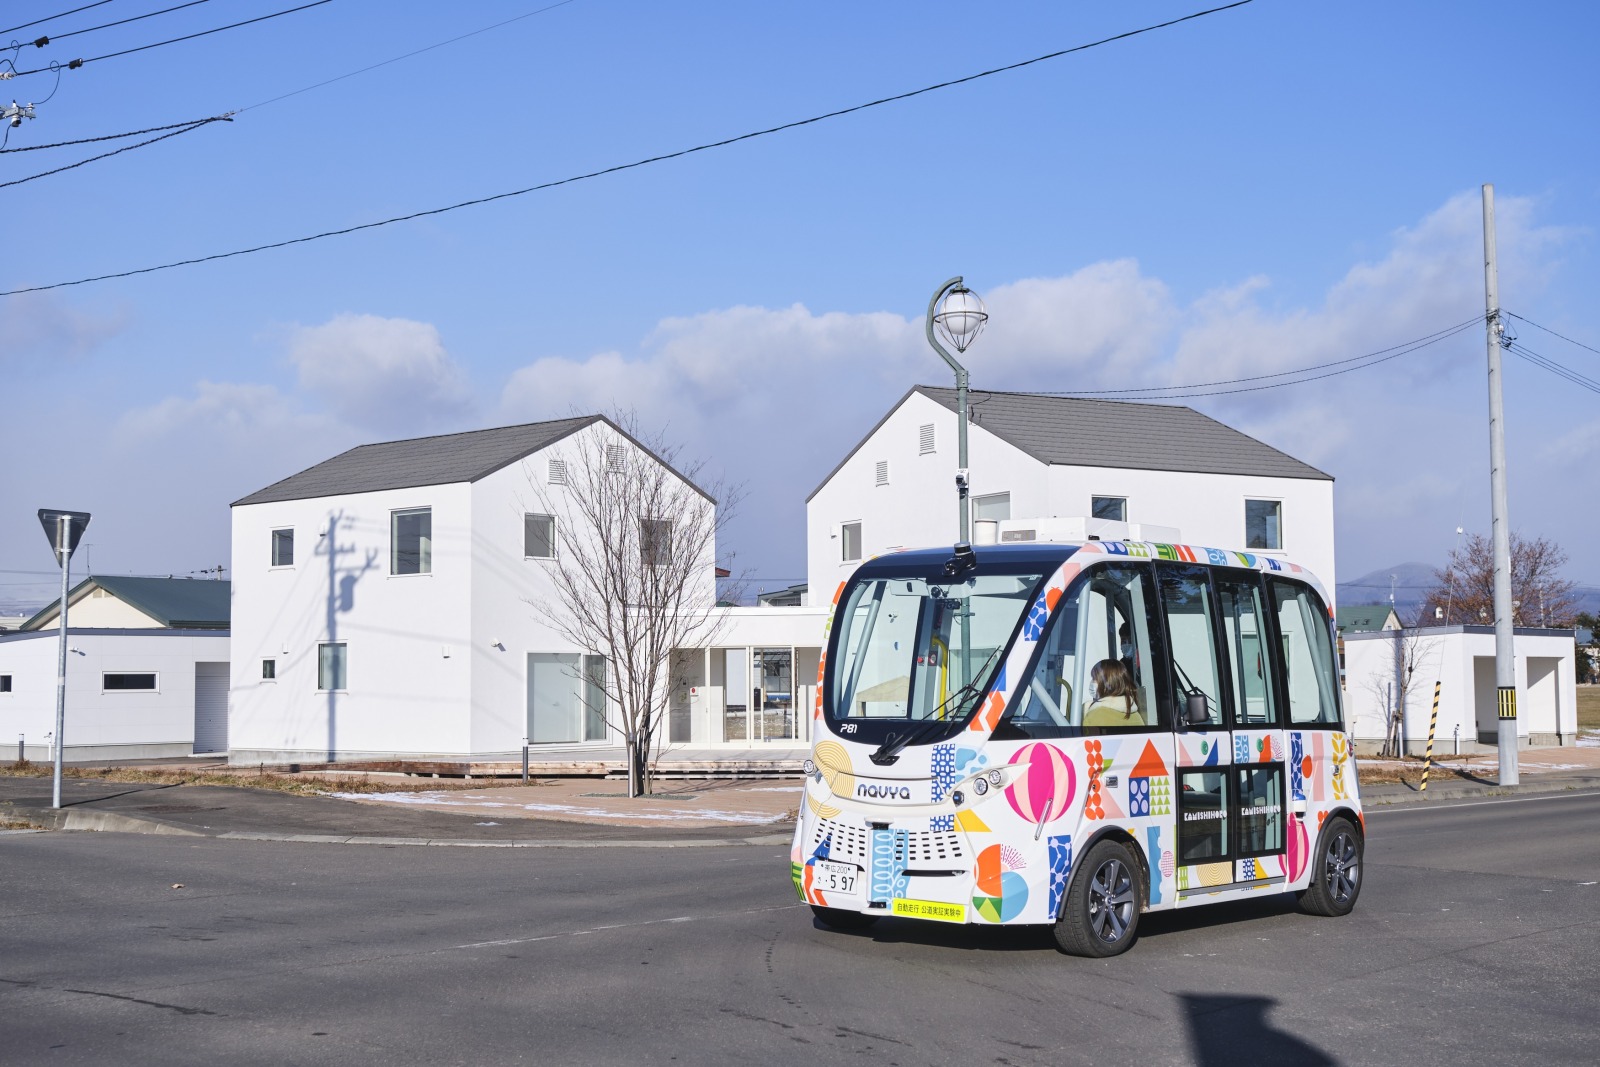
1308, 665
1186, 596
1115, 634
1239, 596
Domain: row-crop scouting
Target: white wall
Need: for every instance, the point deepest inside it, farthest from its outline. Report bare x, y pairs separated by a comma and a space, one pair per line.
101, 725
1462, 660
407, 635
918, 507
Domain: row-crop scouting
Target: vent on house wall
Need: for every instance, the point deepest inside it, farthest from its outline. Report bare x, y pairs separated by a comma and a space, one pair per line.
883, 473
925, 443
558, 472
616, 456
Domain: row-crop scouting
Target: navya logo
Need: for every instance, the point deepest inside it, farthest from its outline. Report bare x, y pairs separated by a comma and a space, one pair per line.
883, 792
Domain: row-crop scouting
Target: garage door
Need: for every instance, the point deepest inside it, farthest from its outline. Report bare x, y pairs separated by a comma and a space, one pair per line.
210, 707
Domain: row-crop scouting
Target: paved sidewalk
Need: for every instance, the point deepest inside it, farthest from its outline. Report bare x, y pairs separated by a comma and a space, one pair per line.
591, 812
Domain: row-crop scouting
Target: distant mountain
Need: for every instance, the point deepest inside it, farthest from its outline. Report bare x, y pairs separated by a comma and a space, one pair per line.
1411, 584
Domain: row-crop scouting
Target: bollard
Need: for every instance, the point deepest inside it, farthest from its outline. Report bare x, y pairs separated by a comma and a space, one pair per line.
1433, 724
524, 761
22, 748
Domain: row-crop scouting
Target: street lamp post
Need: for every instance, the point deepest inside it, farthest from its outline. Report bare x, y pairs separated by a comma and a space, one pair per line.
65, 530
956, 313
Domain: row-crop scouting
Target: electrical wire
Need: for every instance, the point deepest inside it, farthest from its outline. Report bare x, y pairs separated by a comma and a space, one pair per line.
408, 55
48, 18
1551, 332
1179, 392
76, 63
618, 168
108, 137
1558, 369
115, 151
120, 22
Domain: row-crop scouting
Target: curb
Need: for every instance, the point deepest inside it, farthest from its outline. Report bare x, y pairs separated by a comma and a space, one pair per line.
1487, 792
362, 839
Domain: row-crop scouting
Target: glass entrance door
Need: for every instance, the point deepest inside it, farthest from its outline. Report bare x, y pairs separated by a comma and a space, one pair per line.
775, 714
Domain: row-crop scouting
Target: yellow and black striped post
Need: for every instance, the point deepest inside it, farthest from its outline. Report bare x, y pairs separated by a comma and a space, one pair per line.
1433, 724
1508, 703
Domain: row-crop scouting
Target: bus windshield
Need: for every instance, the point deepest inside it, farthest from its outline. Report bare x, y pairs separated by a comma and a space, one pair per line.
922, 648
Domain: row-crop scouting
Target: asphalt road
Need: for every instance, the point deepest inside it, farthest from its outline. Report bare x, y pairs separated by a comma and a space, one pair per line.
1475, 941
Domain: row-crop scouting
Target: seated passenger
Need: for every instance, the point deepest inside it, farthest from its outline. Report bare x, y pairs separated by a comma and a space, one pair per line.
1116, 702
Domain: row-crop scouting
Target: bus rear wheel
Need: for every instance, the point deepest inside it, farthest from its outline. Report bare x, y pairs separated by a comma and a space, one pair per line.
839, 919
1101, 914
1336, 880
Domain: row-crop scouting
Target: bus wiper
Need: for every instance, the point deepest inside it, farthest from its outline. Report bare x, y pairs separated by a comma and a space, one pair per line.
893, 744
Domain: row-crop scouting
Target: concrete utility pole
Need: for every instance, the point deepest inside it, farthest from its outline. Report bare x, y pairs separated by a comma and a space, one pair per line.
1505, 664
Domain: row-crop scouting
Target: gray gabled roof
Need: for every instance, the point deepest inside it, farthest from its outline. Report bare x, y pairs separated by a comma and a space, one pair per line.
176, 603
441, 460
1113, 433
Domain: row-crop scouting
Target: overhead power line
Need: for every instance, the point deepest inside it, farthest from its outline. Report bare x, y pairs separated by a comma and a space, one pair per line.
116, 151
76, 63
1582, 381
111, 136
408, 55
49, 18
1552, 333
635, 164
1298, 376
41, 42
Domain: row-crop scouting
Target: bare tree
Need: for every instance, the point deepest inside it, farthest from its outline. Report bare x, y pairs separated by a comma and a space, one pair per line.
1395, 686
1463, 590
635, 572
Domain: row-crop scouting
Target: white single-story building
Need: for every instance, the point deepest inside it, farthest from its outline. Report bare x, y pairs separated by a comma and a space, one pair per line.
147, 671
1160, 471
1461, 659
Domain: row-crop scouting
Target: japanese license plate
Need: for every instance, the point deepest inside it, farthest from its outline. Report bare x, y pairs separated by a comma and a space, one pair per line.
830, 876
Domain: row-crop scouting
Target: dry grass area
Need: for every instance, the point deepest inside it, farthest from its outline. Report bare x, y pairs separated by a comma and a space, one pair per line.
306, 783
1589, 707
8, 823
1445, 768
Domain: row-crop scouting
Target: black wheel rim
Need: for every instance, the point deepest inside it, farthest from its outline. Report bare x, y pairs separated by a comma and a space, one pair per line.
1111, 901
1342, 867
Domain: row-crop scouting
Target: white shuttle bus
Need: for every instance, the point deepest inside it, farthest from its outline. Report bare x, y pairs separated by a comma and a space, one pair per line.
1075, 734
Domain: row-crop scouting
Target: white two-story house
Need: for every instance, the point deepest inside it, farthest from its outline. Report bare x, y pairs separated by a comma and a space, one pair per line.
387, 601
1038, 463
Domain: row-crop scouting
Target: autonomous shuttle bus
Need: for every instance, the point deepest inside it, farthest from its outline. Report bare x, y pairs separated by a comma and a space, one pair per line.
1074, 734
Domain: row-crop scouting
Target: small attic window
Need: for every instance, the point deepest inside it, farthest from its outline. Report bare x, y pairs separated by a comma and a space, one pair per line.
616, 458
558, 472
925, 439
882, 475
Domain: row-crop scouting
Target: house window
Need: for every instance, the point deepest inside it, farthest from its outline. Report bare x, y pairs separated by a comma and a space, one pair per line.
331, 666
143, 682
1114, 508
539, 536
882, 475
850, 542
558, 472
1263, 524
566, 698
994, 506
616, 458
655, 542
269, 670
925, 439
5, 683
411, 541
283, 548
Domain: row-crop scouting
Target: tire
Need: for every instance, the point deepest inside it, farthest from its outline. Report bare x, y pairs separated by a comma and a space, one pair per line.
1336, 880
1100, 916
839, 919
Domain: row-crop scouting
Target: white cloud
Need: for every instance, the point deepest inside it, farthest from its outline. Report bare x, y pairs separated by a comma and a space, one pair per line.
42, 325
385, 374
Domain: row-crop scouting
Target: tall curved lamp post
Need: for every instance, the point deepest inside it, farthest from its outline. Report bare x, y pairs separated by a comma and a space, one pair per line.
956, 314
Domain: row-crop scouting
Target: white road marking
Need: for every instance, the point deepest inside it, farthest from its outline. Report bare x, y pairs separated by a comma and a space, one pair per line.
620, 926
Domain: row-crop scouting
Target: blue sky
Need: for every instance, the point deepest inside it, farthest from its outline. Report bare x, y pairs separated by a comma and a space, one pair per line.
1270, 187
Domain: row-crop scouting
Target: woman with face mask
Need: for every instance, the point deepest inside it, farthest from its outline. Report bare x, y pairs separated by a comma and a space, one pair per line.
1116, 697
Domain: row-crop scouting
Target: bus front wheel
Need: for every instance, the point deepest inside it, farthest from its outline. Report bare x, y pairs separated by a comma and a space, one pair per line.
1336, 879
1101, 913
839, 919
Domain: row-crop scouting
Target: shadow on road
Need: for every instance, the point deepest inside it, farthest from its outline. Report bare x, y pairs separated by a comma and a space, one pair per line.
1227, 1030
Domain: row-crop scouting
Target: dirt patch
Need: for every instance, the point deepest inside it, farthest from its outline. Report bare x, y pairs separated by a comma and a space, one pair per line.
1589, 707
305, 783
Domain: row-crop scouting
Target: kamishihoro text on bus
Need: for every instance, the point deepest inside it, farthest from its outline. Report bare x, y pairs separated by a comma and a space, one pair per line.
1074, 735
